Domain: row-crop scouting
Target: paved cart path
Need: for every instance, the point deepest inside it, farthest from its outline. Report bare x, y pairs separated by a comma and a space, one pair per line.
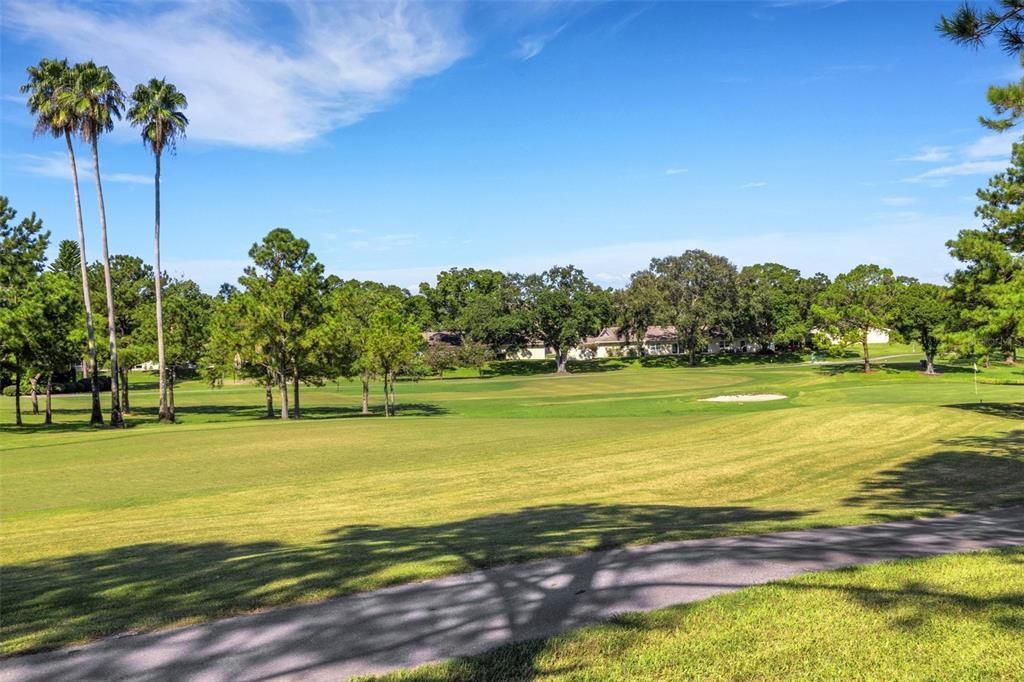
467, 614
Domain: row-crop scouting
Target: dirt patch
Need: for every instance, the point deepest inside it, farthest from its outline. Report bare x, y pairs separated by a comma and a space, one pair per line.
744, 398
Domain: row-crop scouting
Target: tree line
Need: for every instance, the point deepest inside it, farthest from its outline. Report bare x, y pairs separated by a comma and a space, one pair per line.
287, 324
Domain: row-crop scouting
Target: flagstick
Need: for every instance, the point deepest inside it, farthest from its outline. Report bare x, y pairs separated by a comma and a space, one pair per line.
976, 381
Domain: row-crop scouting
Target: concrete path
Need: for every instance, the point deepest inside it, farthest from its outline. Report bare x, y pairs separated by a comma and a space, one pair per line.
468, 614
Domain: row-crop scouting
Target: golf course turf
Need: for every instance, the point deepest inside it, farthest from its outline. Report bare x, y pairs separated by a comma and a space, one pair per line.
111, 531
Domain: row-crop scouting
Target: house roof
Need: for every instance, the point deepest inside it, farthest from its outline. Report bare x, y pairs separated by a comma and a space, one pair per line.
615, 335
451, 338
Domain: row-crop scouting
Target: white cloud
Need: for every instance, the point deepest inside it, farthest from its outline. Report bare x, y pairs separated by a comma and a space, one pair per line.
898, 201
942, 174
991, 146
532, 45
676, 171
751, 185
929, 155
343, 61
56, 165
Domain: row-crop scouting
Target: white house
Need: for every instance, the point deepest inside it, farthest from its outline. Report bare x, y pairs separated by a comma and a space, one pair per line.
612, 342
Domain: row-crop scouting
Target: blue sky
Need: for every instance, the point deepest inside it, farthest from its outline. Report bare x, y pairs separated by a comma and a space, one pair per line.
401, 139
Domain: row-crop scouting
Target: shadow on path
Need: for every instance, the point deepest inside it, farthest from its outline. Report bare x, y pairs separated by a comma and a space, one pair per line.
54, 601
467, 614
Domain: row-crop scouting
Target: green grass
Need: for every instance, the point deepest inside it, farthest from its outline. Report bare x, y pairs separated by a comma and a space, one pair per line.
958, 617
110, 531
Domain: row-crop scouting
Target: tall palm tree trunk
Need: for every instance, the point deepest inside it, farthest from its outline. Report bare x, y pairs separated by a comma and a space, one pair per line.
115, 376
164, 415
97, 414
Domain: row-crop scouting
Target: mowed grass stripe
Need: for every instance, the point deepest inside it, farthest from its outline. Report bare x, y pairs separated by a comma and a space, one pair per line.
109, 531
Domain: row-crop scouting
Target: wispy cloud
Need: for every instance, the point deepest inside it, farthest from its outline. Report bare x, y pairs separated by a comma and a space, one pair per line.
991, 146
929, 155
751, 185
341, 62
532, 45
628, 19
898, 201
942, 174
56, 166
984, 156
676, 171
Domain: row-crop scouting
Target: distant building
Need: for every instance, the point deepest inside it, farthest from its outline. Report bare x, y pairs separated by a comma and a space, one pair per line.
614, 342
449, 338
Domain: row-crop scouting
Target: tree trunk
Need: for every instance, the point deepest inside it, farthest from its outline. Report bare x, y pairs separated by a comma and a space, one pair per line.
387, 400
125, 404
34, 383
17, 398
282, 383
171, 376
163, 414
929, 359
295, 389
115, 375
96, 417
270, 396
391, 395
692, 357
366, 394
49, 400
867, 358
561, 360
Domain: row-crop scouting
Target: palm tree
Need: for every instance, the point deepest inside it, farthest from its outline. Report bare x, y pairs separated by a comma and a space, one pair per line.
46, 82
97, 100
156, 107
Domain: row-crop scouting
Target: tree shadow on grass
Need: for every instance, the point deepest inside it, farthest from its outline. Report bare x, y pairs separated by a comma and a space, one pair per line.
524, 368
915, 603
741, 359
210, 413
664, 361
518, 368
254, 412
910, 605
52, 602
1005, 410
838, 369
972, 472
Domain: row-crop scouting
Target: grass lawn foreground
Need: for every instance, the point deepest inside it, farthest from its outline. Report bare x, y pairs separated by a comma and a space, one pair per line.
114, 531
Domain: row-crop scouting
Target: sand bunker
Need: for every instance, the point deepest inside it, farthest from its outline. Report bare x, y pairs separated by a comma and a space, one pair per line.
744, 398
